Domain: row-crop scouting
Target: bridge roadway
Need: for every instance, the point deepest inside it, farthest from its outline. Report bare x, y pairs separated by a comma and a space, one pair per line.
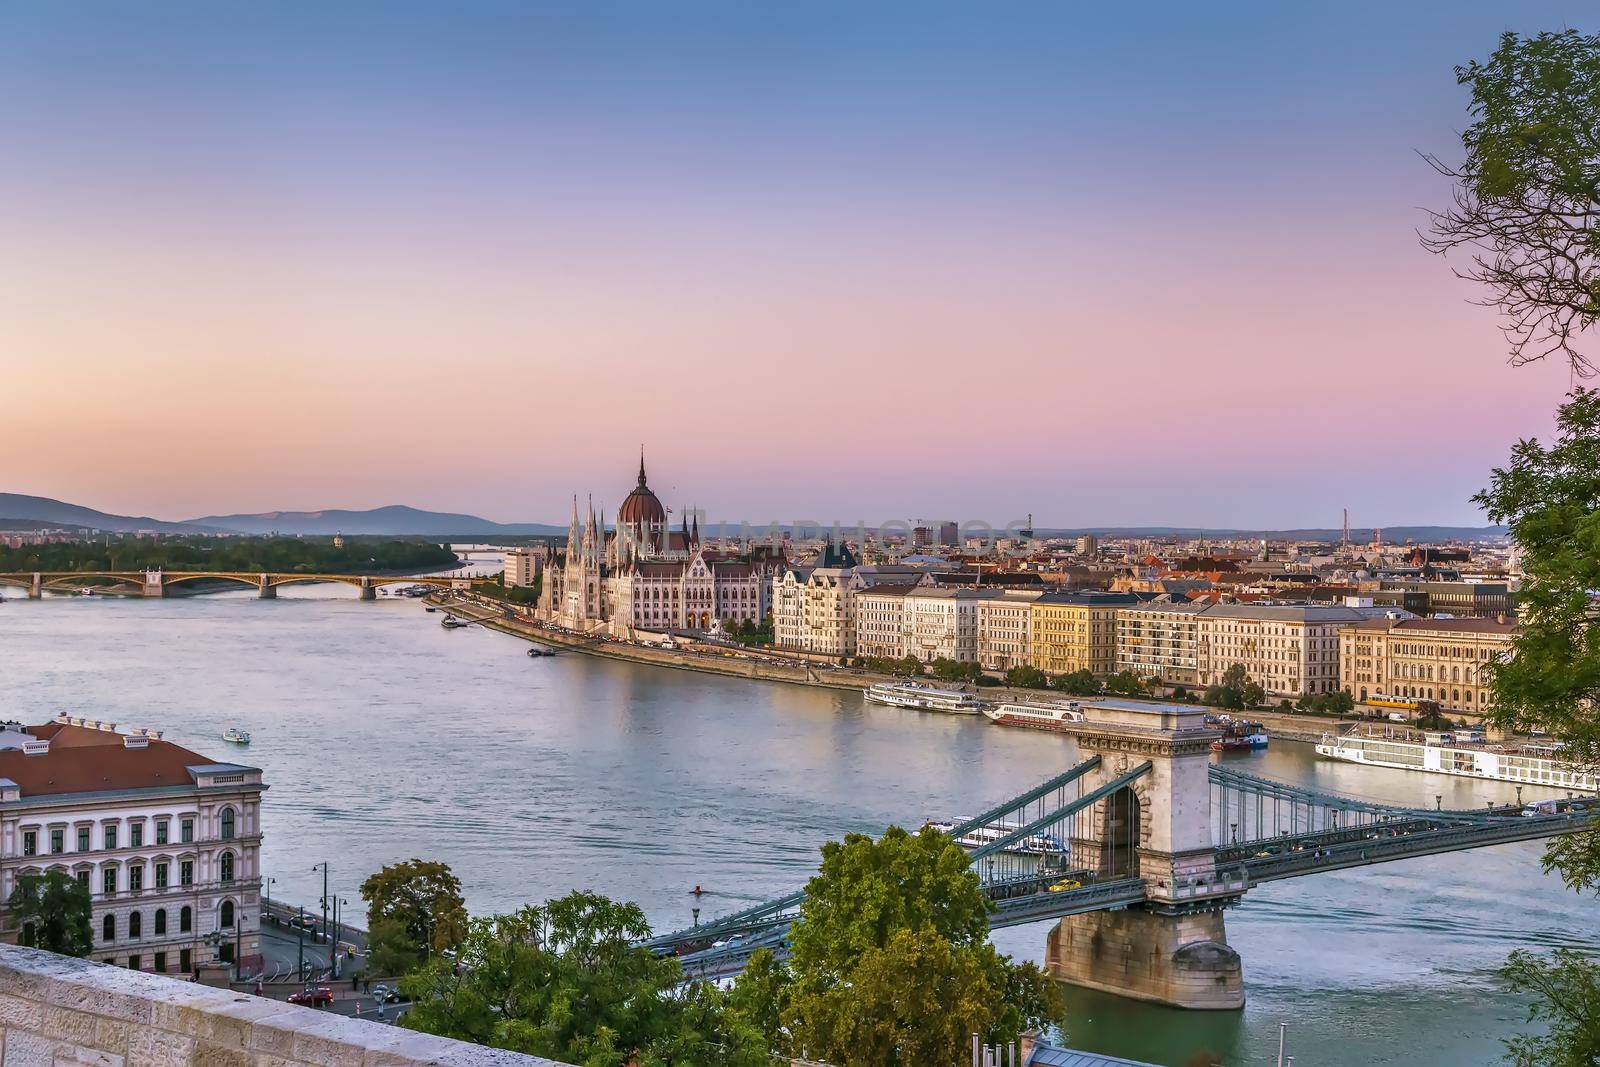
1371, 833
155, 583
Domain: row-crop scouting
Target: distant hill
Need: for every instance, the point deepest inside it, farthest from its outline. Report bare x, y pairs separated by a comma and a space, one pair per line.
394, 520
41, 511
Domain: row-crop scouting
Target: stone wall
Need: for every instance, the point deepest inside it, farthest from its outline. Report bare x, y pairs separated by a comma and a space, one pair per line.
62, 1012
1180, 960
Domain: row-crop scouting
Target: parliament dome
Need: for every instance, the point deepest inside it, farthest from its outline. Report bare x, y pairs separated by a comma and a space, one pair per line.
641, 510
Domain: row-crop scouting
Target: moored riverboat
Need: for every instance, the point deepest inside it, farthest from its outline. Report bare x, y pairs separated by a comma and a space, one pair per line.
1037, 715
1238, 735
919, 697
1031, 844
1526, 764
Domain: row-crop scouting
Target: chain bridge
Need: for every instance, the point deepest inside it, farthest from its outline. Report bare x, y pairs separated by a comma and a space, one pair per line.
1137, 850
155, 583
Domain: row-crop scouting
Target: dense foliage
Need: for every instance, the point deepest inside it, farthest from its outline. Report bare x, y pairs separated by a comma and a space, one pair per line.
1528, 191
276, 554
750, 633
1566, 990
568, 980
1236, 692
890, 962
51, 911
415, 909
1550, 498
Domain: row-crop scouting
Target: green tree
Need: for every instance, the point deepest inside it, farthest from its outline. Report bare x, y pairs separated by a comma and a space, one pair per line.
1550, 498
1078, 683
890, 961
1027, 678
424, 898
51, 911
569, 981
391, 949
1527, 191
1126, 683
1565, 989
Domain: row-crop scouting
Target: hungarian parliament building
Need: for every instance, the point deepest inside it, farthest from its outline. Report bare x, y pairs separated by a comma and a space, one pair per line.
644, 575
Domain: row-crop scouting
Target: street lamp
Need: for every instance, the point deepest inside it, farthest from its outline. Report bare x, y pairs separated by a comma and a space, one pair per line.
333, 947
324, 866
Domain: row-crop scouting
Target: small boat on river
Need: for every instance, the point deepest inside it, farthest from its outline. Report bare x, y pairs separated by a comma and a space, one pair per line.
921, 697
236, 736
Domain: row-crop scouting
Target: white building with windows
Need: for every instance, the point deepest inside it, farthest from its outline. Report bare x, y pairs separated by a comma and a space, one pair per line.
167, 841
943, 623
523, 566
1005, 629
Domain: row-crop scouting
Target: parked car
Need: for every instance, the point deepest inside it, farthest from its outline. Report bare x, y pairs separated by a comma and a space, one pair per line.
308, 922
384, 994
312, 995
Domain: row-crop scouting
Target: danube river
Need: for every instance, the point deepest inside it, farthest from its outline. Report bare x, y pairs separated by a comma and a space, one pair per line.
384, 736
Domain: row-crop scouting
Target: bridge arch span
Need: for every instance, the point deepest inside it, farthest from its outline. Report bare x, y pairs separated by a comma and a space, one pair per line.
276, 580
74, 580
171, 578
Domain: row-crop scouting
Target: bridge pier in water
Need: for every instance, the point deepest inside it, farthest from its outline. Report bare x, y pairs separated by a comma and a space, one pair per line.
265, 589
1182, 960
36, 586
1171, 949
154, 585
368, 590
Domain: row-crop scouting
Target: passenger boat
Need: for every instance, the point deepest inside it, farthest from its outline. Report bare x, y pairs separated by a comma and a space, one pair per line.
1527, 764
450, 622
1033, 844
921, 697
1037, 715
1239, 736
236, 736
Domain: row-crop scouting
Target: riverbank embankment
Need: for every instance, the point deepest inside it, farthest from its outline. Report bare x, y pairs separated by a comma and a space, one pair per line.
1292, 726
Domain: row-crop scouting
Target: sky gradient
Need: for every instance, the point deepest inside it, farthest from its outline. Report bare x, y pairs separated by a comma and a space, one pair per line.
1112, 265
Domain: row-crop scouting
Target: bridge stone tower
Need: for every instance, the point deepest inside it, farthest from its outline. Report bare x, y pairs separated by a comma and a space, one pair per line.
1172, 949
154, 584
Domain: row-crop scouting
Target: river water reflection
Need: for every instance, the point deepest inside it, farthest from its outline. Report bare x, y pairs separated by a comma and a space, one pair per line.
384, 736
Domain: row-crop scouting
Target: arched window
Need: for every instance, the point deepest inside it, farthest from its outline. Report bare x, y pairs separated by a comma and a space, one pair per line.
135, 925
226, 914
1469, 696
108, 928
185, 920
161, 921
227, 824
227, 866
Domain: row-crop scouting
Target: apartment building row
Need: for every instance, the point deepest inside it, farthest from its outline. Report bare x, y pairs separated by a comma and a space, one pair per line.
1291, 650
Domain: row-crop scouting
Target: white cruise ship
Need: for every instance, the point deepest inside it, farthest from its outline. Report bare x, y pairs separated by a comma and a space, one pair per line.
1033, 844
1040, 715
921, 697
1527, 765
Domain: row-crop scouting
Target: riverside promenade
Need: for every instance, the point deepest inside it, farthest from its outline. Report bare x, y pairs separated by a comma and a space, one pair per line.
1291, 726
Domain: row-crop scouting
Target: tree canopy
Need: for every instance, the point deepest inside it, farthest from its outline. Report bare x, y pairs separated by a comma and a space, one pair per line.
890, 962
51, 911
278, 554
1549, 496
415, 908
567, 980
1527, 193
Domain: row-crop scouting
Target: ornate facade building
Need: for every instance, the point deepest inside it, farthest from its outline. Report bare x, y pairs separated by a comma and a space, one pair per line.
643, 575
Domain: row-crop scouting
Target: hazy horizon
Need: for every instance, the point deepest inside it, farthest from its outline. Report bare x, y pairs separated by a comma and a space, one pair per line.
1126, 267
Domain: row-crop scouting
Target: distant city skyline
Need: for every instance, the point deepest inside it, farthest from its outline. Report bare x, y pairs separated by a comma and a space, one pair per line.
1112, 268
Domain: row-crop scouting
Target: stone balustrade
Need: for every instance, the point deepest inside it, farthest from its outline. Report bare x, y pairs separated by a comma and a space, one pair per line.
61, 1012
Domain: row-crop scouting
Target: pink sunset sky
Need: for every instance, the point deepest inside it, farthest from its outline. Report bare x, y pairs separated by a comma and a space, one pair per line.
827, 263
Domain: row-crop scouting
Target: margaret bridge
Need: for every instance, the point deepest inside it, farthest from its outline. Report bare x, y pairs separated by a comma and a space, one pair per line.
1138, 849
155, 583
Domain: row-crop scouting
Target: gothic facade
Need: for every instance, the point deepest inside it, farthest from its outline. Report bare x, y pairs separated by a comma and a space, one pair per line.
643, 575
